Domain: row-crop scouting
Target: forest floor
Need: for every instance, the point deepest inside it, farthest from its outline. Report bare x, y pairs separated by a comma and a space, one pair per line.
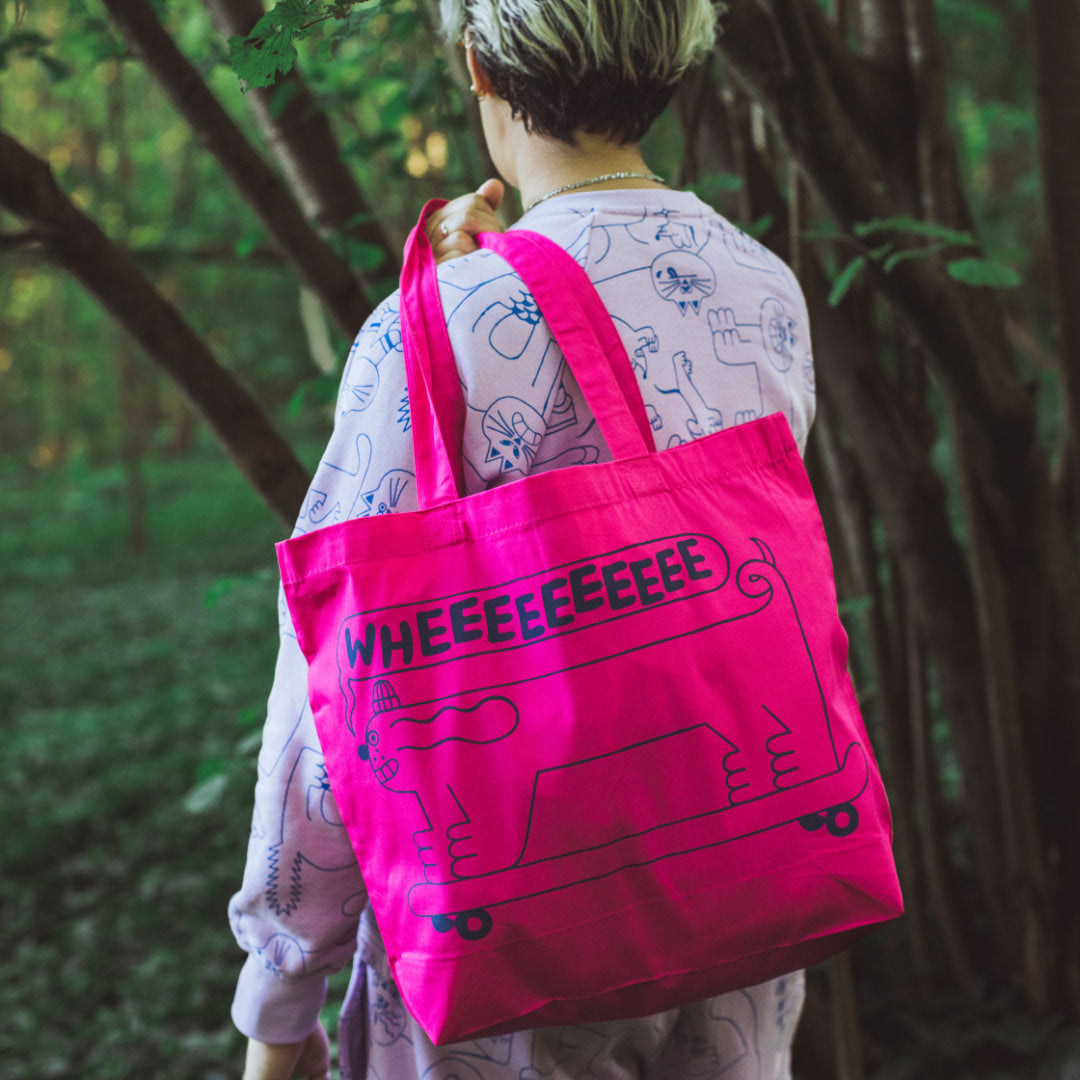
132, 693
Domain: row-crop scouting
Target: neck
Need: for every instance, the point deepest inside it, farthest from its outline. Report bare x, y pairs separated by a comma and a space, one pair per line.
543, 164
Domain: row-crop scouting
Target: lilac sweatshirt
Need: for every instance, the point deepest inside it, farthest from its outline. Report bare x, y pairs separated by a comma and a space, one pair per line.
717, 332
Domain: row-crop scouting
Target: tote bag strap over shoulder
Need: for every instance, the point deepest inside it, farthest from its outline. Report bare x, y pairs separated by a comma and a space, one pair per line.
578, 320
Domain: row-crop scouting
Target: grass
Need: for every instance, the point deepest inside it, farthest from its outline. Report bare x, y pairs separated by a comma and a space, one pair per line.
131, 702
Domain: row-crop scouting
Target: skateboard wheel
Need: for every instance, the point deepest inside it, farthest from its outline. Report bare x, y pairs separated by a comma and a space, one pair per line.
842, 820
813, 822
473, 925
442, 923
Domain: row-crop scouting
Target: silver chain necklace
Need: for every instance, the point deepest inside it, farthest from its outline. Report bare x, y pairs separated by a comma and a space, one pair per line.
594, 180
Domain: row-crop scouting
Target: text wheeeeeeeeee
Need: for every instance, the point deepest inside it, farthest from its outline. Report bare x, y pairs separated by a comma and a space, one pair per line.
529, 608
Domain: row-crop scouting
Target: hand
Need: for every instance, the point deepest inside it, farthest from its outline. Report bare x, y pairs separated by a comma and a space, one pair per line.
309, 1059
452, 230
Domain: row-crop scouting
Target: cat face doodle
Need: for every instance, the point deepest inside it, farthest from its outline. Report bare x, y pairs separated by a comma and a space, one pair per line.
779, 334
386, 495
513, 429
683, 278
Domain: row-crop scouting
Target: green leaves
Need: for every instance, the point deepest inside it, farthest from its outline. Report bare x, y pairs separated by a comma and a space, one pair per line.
906, 224
977, 272
845, 279
269, 49
29, 44
713, 186
984, 273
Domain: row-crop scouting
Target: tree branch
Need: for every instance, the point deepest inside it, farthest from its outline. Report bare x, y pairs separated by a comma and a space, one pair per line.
320, 267
25, 239
28, 190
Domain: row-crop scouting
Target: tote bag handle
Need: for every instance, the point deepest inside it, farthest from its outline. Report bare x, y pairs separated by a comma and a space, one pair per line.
578, 320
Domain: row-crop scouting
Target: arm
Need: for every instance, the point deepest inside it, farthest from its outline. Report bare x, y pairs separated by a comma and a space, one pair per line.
297, 910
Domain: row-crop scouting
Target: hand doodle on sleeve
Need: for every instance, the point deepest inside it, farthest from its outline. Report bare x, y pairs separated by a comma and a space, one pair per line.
645, 342
737, 352
703, 418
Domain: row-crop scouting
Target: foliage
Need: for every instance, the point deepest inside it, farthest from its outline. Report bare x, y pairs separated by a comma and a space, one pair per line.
269, 49
123, 698
888, 254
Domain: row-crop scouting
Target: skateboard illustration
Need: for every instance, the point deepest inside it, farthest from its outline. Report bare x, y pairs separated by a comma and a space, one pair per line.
514, 803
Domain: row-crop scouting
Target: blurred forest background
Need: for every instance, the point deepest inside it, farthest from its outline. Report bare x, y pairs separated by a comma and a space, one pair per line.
182, 267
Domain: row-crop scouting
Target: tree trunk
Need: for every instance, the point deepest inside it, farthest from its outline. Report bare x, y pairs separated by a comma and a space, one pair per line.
132, 410
1056, 33
28, 190
1019, 541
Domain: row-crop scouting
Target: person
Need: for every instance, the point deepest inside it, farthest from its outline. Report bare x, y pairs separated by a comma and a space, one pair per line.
716, 329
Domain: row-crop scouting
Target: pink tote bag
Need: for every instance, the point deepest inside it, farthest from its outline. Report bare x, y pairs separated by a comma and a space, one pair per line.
591, 733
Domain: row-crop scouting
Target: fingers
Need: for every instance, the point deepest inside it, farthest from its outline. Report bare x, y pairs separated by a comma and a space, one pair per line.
309, 1059
453, 244
492, 192
451, 230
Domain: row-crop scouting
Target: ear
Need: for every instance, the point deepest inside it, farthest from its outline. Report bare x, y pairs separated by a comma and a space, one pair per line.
481, 83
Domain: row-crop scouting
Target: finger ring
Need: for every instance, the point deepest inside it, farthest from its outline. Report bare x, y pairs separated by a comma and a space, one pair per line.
444, 229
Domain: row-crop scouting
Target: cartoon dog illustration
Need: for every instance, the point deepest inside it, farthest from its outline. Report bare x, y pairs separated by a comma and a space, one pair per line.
466, 836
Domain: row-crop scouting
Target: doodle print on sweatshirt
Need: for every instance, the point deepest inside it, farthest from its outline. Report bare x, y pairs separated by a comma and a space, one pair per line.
646, 344
736, 350
290, 869
387, 495
712, 1051
749, 345
703, 418
381, 338
684, 279
341, 476
576, 1052
596, 239
513, 427
746, 252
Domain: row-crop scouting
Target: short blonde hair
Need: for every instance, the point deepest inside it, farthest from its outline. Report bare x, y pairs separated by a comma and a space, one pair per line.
578, 49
